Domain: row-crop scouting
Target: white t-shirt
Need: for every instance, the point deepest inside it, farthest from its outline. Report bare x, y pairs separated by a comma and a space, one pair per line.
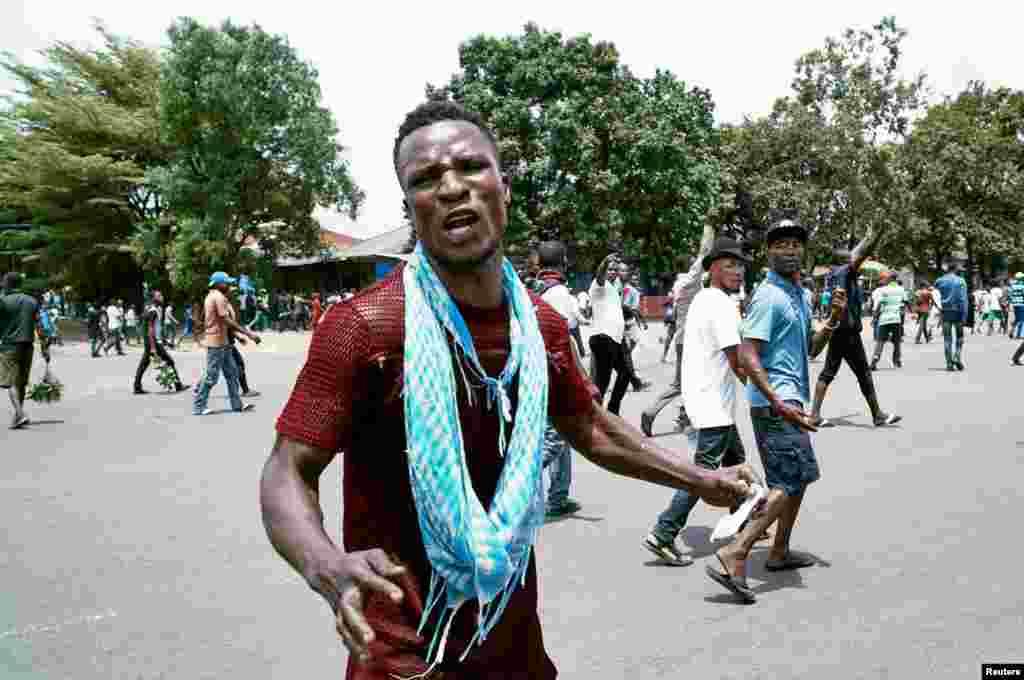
583, 299
709, 386
606, 305
114, 317
992, 300
564, 303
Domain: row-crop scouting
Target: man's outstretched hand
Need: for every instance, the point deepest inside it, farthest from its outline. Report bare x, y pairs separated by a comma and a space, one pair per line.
728, 486
347, 583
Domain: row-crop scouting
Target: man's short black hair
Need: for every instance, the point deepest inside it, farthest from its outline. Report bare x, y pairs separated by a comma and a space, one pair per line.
436, 111
551, 254
12, 280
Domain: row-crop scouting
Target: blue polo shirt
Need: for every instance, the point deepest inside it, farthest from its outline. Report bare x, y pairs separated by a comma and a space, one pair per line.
780, 317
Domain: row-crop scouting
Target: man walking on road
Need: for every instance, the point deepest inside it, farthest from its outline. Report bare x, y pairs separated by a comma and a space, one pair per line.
846, 343
115, 327
437, 383
684, 291
1015, 297
19, 322
709, 393
955, 302
551, 288
889, 311
923, 303
608, 334
152, 343
219, 317
778, 338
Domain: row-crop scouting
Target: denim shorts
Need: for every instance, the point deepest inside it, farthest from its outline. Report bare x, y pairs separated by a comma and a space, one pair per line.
786, 453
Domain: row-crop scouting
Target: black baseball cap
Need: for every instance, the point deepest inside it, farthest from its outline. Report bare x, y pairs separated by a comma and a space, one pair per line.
785, 228
725, 247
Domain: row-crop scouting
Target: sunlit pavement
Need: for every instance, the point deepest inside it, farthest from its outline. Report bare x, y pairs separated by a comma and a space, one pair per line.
132, 545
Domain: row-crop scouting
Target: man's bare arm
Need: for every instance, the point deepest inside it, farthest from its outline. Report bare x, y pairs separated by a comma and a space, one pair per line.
290, 500
292, 516
750, 360
607, 440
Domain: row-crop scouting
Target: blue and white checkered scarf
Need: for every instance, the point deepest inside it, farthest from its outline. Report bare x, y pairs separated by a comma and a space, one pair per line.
474, 553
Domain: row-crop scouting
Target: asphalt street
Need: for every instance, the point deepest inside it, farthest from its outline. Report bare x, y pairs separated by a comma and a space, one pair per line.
132, 546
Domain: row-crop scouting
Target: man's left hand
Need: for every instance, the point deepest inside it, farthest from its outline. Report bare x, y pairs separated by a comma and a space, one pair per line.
729, 486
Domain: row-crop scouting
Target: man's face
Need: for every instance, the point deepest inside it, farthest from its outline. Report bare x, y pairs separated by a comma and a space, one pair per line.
533, 265
624, 272
785, 256
457, 197
727, 273
158, 297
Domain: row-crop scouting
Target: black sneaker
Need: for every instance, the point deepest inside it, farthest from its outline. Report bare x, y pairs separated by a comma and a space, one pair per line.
565, 509
646, 422
666, 552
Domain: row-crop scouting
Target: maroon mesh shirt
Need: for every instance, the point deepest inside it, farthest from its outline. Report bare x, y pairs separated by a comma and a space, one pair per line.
348, 398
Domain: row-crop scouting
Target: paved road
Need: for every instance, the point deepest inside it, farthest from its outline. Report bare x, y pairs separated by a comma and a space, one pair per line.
132, 545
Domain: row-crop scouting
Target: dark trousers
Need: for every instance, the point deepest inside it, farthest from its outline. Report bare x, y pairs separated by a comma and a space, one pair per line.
886, 333
149, 349
922, 328
847, 346
1018, 354
608, 356
627, 361
243, 382
670, 334
578, 337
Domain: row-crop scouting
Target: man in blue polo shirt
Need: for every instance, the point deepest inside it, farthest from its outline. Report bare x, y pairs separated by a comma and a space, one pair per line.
777, 340
953, 289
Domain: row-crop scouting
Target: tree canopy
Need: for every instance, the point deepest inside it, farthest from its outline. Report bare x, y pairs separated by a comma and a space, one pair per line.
78, 141
598, 157
253, 150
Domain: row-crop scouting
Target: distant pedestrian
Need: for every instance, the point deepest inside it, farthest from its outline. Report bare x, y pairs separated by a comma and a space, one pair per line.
219, 317
955, 304
923, 303
152, 320
19, 322
1015, 298
93, 320
115, 328
891, 301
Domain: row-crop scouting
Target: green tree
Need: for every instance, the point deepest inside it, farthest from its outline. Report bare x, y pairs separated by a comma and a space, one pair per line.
827, 151
966, 161
79, 138
254, 151
598, 157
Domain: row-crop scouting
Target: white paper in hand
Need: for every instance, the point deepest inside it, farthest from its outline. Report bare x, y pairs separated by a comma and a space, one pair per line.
730, 524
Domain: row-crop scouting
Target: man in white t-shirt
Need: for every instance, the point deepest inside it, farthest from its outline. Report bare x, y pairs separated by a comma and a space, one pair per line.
115, 326
607, 328
710, 365
550, 285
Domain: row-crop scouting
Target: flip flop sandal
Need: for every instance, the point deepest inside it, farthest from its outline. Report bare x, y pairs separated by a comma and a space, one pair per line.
21, 423
736, 587
792, 560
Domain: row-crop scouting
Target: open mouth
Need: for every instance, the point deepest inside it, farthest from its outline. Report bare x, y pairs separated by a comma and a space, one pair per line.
459, 224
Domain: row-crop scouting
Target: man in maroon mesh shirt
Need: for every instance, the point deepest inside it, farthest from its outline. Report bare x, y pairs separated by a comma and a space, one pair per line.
348, 397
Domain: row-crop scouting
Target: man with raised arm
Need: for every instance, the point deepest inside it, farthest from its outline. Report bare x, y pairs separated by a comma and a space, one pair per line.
846, 343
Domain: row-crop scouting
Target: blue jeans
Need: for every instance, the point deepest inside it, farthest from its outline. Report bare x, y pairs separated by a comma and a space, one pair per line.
558, 460
218, 359
715, 446
1018, 321
949, 328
